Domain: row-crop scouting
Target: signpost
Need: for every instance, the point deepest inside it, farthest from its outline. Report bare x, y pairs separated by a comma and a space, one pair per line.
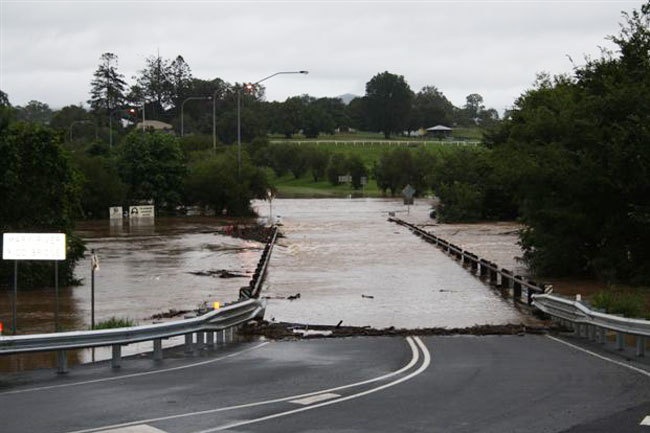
34, 246
141, 211
408, 192
270, 195
115, 212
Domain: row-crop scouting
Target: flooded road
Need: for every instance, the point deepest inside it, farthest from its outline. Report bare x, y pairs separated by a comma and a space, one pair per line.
342, 256
349, 263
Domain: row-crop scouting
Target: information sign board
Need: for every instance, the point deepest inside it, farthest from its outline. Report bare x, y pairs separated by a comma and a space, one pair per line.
33, 246
115, 212
141, 211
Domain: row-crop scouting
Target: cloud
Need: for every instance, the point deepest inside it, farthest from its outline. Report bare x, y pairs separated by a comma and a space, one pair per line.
49, 50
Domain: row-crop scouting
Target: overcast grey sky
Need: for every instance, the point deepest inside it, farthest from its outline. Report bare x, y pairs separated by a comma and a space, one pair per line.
50, 49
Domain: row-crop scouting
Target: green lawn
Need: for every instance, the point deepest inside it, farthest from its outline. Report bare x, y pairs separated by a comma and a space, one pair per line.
305, 187
457, 133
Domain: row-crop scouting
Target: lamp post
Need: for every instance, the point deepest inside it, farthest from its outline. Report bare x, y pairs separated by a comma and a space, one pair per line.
214, 121
204, 98
251, 87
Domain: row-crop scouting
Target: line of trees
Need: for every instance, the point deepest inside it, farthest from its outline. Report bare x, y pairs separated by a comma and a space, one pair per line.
161, 87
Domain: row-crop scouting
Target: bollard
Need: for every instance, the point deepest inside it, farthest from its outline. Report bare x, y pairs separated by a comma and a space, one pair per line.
157, 349
640, 346
61, 362
620, 341
116, 360
188, 344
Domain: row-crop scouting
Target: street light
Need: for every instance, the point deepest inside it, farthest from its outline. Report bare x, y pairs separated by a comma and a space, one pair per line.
251, 87
204, 98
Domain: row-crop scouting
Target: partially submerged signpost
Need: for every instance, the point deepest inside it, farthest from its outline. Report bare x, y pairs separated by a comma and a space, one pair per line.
34, 246
408, 192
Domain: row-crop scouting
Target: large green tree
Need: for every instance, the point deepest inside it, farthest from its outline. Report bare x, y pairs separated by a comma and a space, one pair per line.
581, 147
153, 167
107, 87
388, 103
40, 193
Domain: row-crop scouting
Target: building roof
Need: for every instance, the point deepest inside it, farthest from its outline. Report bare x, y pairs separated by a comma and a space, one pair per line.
439, 128
155, 124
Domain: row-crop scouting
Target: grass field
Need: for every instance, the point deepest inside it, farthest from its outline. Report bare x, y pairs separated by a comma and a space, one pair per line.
305, 186
474, 134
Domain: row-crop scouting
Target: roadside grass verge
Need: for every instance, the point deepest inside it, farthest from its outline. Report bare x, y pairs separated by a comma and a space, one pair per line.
115, 322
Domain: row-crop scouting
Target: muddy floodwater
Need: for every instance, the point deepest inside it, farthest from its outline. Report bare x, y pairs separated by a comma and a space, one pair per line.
349, 263
342, 256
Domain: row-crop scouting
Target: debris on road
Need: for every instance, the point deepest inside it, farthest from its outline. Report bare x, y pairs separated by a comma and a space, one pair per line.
283, 330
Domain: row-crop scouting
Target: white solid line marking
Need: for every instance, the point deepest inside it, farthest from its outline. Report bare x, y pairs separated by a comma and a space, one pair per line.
646, 421
604, 358
128, 376
425, 364
315, 399
414, 359
142, 428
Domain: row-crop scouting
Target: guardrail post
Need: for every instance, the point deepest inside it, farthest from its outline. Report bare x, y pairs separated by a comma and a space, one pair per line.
640, 346
473, 263
516, 287
116, 360
483, 270
620, 341
493, 275
157, 349
592, 332
602, 335
200, 342
221, 337
61, 362
188, 344
211, 343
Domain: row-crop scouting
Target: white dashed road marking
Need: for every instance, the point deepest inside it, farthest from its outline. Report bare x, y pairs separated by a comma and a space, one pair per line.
646, 421
315, 399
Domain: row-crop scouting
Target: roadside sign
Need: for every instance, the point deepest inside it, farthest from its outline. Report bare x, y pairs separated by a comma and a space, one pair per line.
33, 246
141, 211
364, 180
345, 179
115, 212
408, 192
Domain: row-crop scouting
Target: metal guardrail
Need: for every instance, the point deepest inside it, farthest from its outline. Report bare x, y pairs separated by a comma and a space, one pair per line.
204, 327
255, 286
572, 314
200, 332
500, 277
378, 142
592, 323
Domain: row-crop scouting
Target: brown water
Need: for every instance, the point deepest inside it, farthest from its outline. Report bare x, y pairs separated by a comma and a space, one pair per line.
334, 251
337, 252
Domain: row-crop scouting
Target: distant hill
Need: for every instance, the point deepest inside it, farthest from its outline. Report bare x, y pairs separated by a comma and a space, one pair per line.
347, 98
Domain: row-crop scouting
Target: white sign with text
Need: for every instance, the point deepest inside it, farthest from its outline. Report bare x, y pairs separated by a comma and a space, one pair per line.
33, 246
141, 211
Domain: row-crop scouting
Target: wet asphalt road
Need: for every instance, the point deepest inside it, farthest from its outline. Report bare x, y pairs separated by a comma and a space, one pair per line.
427, 384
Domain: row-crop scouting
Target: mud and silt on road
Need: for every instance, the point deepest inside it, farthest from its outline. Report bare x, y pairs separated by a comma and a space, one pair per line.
283, 330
